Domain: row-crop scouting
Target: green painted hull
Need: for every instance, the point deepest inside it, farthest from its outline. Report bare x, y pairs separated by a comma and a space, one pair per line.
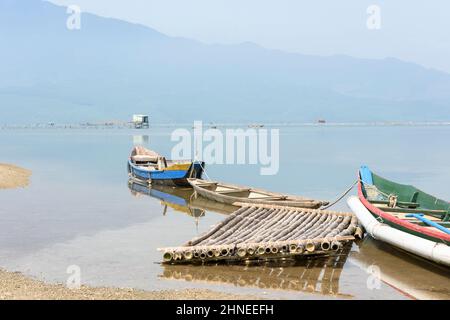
375, 193
407, 193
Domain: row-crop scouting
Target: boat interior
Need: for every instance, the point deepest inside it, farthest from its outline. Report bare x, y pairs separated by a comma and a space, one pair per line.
406, 202
235, 191
150, 160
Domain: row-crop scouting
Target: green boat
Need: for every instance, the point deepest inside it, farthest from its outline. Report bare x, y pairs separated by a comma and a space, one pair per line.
405, 207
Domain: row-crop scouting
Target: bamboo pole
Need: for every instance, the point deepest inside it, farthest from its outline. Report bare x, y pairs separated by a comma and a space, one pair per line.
254, 228
227, 232
251, 233
242, 210
268, 231
256, 217
274, 225
298, 224
299, 227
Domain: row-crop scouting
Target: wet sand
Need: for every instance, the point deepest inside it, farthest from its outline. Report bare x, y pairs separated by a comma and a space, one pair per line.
15, 286
13, 177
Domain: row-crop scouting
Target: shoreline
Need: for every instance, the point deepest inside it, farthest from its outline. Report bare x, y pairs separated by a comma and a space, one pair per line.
121, 125
16, 286
12, 176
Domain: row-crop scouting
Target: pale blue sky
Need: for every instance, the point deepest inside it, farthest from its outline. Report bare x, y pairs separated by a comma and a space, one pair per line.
411, 30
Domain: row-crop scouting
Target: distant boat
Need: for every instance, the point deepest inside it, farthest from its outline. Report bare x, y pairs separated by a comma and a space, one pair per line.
322, 121
152, 168
256, 125
233, 194
421, 220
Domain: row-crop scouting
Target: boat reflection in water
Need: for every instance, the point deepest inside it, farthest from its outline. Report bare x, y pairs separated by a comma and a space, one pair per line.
319, 275
310, 275
180, 199
408, 274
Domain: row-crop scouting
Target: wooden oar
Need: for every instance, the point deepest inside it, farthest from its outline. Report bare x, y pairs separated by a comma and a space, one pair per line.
435, 213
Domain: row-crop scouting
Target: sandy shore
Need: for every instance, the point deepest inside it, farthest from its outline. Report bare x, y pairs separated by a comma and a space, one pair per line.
13, 177
15, 286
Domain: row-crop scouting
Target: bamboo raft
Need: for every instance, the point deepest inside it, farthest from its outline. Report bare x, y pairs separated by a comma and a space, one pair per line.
310, 275
268, 232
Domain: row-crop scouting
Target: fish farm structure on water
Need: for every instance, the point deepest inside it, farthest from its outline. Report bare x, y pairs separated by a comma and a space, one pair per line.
259, 232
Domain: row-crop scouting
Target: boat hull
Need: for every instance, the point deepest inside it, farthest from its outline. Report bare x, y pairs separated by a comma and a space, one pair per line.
231, 200
175, 175
435, 251
400, 224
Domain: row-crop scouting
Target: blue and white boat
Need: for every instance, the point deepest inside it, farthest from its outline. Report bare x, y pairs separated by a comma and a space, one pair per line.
151, 168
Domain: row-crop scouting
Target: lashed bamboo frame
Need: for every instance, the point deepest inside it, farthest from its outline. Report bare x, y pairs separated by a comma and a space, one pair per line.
253, 232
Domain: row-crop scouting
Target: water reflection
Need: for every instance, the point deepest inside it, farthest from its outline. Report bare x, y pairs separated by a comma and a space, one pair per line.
180, 199
408, 274
141, 140
311, 275
90, 218
405, 274
314, 275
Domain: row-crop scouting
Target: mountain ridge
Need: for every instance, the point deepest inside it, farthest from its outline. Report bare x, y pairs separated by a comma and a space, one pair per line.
112, 69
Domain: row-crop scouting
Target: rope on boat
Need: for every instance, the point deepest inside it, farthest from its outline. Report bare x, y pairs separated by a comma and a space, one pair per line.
342, 196
201, 166
268, 232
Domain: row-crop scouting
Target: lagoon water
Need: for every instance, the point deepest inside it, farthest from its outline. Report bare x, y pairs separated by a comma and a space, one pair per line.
79, 210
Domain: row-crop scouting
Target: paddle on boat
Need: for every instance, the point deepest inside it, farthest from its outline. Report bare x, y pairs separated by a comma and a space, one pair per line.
150, 167
232, 194
403, 216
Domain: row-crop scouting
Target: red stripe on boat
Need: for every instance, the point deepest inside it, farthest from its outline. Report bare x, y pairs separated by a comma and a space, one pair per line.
386, 216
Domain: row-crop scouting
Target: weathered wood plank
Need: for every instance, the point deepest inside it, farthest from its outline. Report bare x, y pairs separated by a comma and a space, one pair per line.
436, 213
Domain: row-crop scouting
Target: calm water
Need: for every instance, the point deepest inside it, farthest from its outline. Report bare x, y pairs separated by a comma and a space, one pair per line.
79, 210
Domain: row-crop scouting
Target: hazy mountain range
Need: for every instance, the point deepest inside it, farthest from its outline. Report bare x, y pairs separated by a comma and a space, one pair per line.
110, 69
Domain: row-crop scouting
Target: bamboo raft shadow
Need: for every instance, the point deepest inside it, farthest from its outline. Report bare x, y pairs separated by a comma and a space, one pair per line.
311, 275
268, 232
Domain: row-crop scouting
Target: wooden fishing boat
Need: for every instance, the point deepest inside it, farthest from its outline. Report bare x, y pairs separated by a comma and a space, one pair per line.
152, 168
405, 207
232, 194
403, 216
